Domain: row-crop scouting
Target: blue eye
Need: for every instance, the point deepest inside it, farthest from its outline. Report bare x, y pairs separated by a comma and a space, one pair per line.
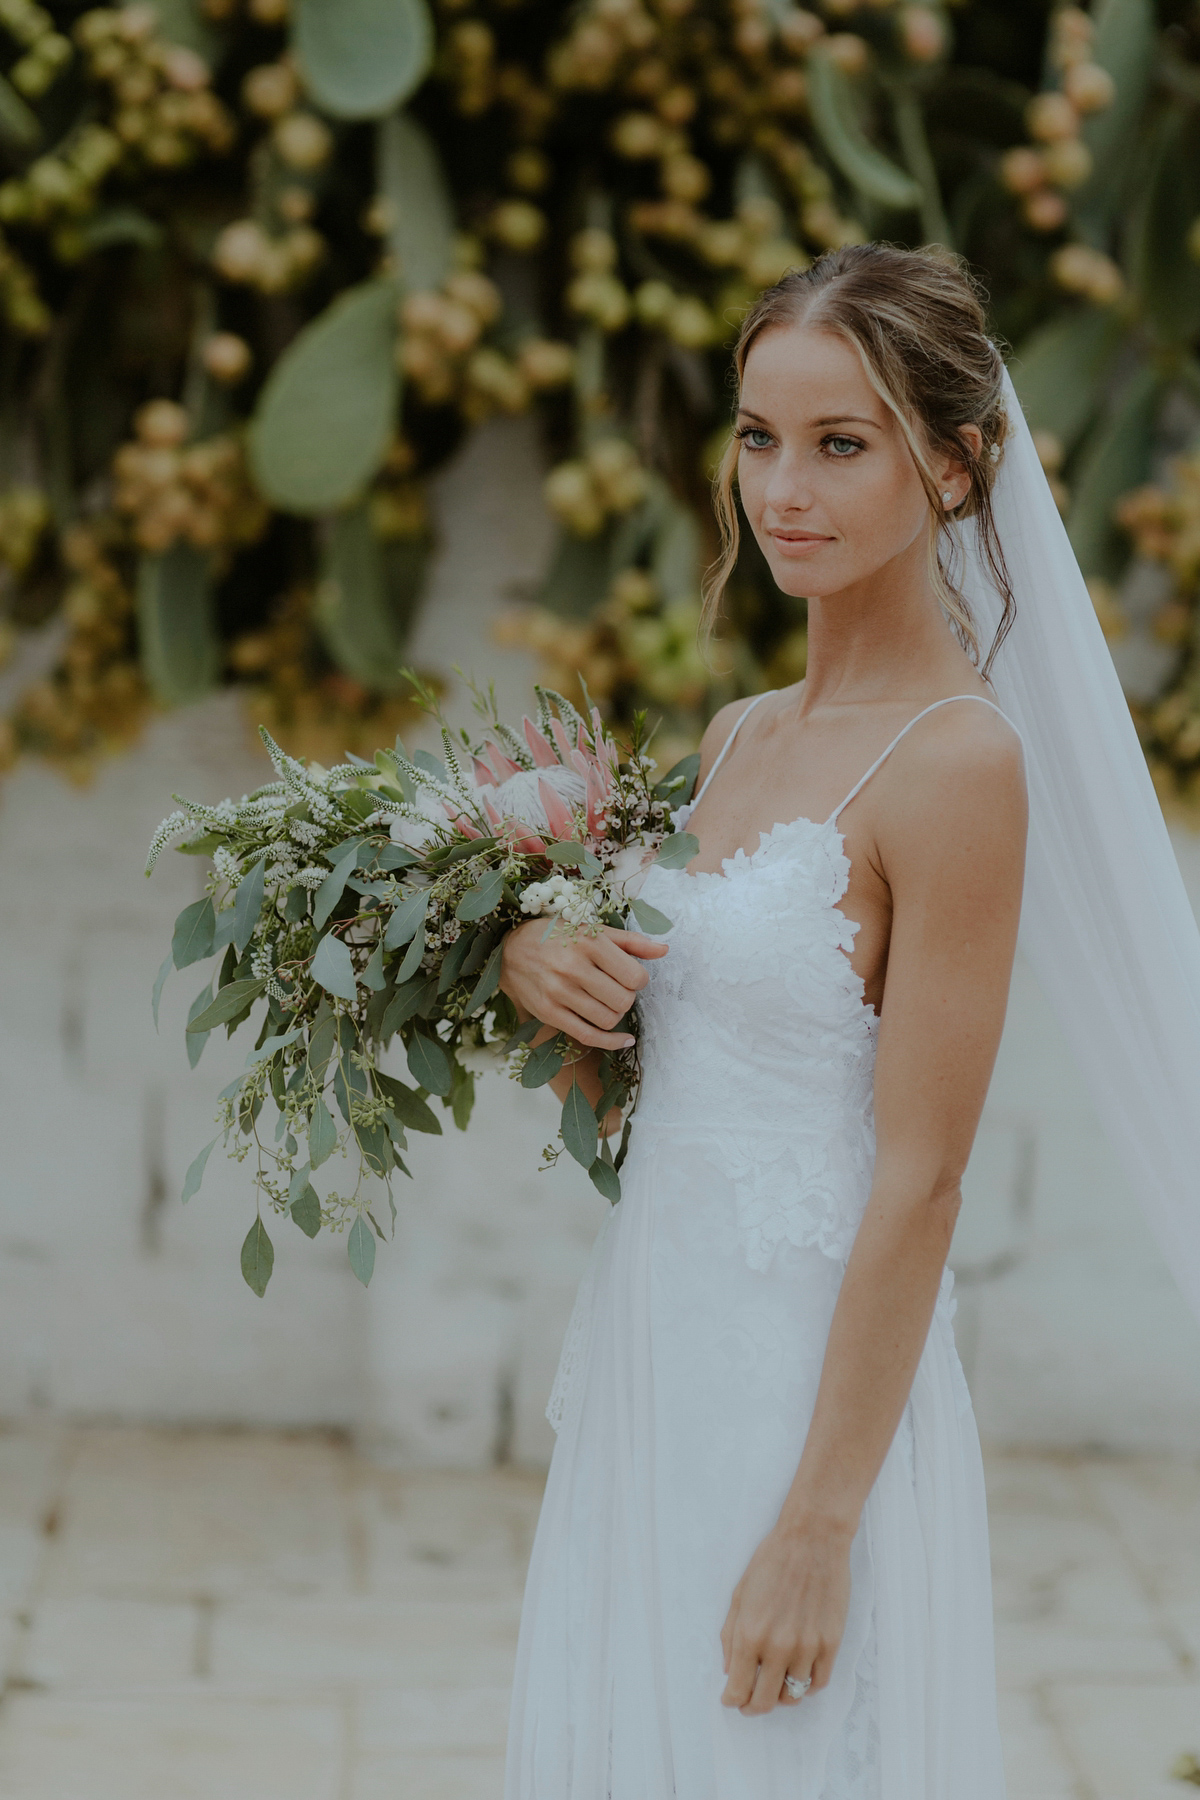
756, 437
843, 446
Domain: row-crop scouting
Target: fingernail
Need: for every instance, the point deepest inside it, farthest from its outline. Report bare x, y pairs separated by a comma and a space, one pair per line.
628, 1043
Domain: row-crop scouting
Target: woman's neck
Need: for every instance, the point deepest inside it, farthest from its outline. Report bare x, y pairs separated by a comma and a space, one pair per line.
885, 638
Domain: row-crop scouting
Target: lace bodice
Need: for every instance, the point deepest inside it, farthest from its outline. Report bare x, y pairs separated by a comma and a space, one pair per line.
756, 1038
778, 1059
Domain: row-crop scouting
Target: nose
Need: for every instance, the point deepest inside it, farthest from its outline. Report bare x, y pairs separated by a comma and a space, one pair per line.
787, 489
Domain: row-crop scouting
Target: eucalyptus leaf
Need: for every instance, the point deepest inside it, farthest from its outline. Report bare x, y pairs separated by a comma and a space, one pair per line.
605, 1178
192, 939
649, 917
362, 57
247, 905
333, 886
231, 1001
412, 959
373, 975
258, 1258
679, 781
195, 1174
178, 642
325, 415
413, 185
575, 856
462, 1096
306, 1210
196, 1040
429, 1065
542, 1065
579, 1127
483, 898
322, 1134
408, 1107
488, 982
677, 851
333, 968
407, 919
164, 969
360, 1248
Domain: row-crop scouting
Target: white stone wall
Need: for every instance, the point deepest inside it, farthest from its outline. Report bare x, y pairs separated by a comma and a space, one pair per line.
115, 1301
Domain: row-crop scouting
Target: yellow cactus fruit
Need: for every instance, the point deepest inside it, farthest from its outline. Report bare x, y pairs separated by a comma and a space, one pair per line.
849, 52
653, 302
1051, 117
161, 423
637, 135
546, 363
594, 251
227, 358
1045, 210
571, 496
529, 170
799, 31
922, 34
270, 90
302, 141
240, 250
690, 324
517, 225
1068, 162
685, 178
1088, 87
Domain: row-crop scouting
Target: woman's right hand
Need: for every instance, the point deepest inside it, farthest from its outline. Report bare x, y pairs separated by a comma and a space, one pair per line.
574, 981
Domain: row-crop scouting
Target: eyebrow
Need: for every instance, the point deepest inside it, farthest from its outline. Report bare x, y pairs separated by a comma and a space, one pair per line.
839, 419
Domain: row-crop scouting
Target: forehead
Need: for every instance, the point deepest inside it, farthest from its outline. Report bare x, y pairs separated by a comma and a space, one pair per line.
809, 372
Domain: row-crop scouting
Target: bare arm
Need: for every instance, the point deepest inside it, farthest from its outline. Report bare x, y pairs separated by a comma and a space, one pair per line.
953, 855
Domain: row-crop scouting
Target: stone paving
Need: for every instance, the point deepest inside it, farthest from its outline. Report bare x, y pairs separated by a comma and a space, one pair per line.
190, 1615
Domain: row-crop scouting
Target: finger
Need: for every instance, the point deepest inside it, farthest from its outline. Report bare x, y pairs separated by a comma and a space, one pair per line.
609, 955
607, 993
743, 1671
637, 945
767, 1685
588, 1034
822, 1668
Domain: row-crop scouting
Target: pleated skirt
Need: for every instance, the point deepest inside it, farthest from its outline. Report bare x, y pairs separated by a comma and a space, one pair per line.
686, 1387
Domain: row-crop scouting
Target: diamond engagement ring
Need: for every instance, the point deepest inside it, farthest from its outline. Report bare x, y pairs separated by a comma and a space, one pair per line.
797, 1689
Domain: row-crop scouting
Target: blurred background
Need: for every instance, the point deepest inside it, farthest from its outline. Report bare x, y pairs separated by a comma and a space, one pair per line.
338, 335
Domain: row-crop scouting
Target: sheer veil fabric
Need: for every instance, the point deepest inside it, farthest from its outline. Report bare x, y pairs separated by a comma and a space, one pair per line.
1106, 922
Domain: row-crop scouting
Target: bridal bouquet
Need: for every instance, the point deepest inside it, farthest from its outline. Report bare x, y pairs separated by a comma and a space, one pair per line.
369, 902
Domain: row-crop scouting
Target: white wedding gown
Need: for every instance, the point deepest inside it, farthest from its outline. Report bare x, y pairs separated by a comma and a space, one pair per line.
688, 1379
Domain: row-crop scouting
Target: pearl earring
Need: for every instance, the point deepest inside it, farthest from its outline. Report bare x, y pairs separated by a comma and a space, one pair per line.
947, 497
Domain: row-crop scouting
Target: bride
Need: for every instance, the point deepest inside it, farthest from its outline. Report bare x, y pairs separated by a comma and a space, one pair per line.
761, 1569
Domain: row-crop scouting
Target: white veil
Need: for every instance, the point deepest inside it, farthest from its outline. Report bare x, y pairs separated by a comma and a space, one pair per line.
1106, 923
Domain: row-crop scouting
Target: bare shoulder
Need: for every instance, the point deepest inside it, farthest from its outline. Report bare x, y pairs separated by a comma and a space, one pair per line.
960, 782
716, 733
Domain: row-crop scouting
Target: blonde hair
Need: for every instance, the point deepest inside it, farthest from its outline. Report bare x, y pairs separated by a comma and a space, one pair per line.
917, 320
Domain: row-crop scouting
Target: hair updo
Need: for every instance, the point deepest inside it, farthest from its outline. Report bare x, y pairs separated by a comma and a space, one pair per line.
917, 320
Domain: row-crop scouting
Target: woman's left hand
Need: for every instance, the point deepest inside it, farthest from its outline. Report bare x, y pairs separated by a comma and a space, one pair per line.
786, 1617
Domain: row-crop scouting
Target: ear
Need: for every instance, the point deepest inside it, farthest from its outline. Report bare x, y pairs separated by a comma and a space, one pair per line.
953, 472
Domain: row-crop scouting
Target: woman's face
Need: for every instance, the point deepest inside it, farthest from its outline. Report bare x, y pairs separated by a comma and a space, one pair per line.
827, 480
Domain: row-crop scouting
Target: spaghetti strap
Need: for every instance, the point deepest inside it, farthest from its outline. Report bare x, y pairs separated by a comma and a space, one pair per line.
724, 750
880, 760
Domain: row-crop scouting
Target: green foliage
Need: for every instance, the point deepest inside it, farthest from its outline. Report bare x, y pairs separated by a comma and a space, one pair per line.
420, 210
326, 413
836, 118
258, 1258
362, 57
181, 653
